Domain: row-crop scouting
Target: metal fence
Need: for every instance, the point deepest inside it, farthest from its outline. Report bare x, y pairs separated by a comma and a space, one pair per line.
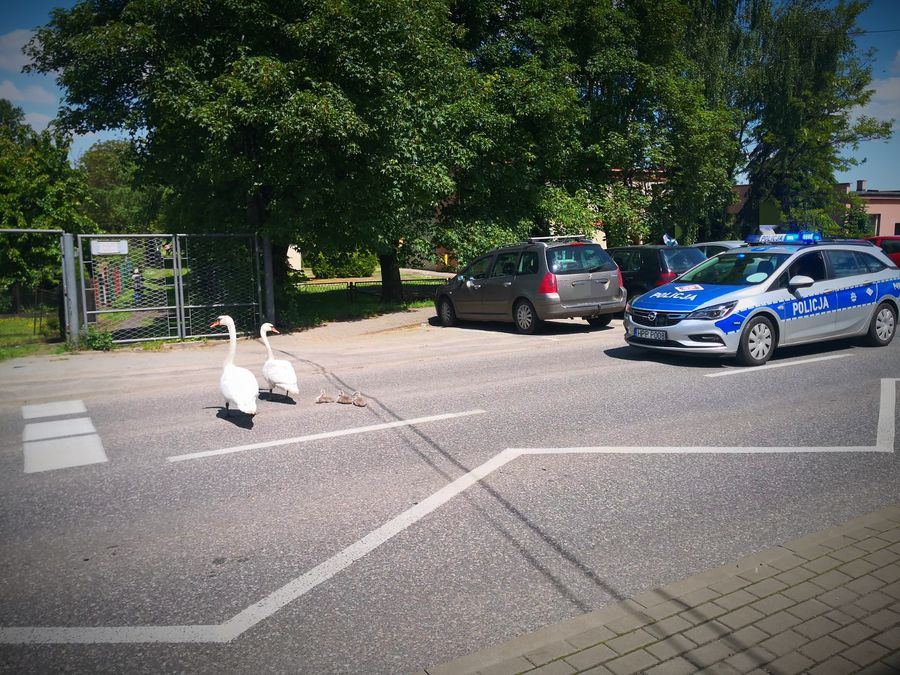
167, 286
31, 315
32, 310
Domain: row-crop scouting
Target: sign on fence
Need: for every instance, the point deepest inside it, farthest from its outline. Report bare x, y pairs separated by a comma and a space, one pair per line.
100, 247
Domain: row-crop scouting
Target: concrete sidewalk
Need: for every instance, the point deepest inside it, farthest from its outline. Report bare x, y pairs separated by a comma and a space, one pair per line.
826, 603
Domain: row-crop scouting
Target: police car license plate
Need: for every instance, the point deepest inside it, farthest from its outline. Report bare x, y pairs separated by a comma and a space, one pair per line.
650, 334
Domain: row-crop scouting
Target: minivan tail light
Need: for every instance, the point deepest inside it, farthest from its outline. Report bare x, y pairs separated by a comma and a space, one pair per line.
666, 277
621, 281
548, 284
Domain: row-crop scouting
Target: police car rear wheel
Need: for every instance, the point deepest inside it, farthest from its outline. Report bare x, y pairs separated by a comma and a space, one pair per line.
757, 342
883, 326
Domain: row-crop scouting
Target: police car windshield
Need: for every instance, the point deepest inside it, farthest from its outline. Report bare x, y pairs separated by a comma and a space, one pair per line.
736, 269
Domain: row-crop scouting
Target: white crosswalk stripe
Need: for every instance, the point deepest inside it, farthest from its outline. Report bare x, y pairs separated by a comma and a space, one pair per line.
59, 444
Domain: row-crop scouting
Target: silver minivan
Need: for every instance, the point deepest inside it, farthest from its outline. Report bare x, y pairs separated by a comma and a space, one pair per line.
528, 283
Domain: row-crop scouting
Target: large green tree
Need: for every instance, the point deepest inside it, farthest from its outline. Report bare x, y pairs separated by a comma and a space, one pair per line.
40, 190
341, 122
119, 201
594, 102
810, 78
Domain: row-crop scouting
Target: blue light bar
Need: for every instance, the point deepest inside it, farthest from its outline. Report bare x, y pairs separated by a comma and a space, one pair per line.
787, 238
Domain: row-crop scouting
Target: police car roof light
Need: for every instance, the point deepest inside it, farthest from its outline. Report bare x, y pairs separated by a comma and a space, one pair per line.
786, 238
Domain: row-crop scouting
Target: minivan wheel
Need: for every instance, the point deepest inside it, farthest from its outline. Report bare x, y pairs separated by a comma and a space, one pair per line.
883, 326
757, 342
525, 318
600, 321
446, 313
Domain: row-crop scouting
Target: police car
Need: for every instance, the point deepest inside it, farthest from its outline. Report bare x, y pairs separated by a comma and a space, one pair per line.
784, 289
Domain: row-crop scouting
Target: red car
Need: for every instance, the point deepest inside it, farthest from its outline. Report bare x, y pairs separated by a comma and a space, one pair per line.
890, 245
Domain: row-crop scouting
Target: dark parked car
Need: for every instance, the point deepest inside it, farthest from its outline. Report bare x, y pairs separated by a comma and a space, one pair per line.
890, 245
542, 278
711, 248
646, 267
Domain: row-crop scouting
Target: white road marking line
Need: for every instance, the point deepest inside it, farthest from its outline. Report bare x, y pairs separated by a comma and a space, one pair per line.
58, 428
298, 587
886, 423
54, 409
62, 453
326, 434
714, 450
301, 585
780, 364
81, 635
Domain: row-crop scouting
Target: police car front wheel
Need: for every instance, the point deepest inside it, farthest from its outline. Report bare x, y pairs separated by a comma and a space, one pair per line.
883, 326
757, 342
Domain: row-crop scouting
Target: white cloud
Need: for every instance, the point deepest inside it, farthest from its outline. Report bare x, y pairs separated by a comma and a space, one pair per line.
885, 103
38, 121
30, 94
11, 56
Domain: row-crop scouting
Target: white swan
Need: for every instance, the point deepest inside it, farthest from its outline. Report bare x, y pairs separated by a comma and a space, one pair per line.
238, 385
277, 372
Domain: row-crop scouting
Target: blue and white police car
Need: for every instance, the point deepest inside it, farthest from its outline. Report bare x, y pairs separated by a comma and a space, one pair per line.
784, 289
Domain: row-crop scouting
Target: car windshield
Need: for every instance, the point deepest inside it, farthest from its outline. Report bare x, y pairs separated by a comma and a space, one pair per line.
578, 258
736, 269
681, 259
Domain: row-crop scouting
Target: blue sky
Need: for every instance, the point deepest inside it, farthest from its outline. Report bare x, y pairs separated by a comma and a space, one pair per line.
39, 96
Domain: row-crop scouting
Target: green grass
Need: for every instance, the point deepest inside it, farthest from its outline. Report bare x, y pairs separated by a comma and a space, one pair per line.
307, 310
18, 338
306, 305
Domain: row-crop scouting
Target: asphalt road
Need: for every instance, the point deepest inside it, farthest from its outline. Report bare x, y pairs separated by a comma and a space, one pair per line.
340, 553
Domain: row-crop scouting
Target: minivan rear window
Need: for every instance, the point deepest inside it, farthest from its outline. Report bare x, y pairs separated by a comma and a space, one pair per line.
579, 258
682, 259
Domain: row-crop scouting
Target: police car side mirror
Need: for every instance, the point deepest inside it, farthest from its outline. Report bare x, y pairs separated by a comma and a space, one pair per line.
800, 281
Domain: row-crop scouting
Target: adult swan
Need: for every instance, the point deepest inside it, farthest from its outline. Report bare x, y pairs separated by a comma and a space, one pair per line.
238, 385
278, 373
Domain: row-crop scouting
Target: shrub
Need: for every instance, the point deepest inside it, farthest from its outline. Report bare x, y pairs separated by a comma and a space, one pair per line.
50, 327
344, 264
99, 340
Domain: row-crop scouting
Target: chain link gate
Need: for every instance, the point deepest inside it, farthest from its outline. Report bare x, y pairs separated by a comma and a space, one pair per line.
166, 286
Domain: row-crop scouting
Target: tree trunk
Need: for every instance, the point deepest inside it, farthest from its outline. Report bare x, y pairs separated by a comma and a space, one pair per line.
391, 288
280, 267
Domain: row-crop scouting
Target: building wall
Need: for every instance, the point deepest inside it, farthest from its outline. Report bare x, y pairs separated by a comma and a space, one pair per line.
886, 211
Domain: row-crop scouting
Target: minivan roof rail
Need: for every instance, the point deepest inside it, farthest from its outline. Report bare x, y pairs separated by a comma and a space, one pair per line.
561, 237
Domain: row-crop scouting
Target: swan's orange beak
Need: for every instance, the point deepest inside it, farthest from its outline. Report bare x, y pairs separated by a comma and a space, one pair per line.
275, 330
215, 324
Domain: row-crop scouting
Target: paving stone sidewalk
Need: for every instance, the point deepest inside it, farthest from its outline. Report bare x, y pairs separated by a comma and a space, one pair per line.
826, 603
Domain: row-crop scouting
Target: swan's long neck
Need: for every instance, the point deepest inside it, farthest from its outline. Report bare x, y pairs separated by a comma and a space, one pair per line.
232, 345
265, 338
